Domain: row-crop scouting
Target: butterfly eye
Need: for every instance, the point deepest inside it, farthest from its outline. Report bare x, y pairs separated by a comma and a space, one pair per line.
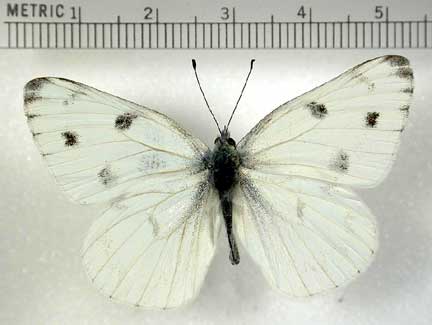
217, 141
231, 142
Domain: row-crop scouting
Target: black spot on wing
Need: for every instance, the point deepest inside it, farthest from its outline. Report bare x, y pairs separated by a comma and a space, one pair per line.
372, 119
124, 121
396, 60
106, 176
317, 110
405, 73
36, 84
71, 138
341, 162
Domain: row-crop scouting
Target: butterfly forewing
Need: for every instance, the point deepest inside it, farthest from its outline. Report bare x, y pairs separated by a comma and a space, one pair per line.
98, 145
306, 231
346, 131
152, 247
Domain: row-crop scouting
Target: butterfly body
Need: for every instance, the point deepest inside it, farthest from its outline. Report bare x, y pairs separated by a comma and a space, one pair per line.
224, 163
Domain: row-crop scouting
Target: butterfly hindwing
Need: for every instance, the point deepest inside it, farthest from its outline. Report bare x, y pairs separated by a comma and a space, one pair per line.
154, 250
306, 236
153, 246
305, 229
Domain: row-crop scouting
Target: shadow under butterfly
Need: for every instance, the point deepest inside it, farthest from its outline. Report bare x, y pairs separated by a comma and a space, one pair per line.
283, 191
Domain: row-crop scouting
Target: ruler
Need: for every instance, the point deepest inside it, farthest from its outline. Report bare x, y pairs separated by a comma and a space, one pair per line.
39, 26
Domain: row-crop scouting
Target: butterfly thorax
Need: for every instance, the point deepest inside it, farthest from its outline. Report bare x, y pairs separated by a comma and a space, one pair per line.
224, 163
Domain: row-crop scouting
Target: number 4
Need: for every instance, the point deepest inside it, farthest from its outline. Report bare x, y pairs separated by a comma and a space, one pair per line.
301, 12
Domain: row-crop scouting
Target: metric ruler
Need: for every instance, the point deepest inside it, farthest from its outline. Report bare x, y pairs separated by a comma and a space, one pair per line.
57, 26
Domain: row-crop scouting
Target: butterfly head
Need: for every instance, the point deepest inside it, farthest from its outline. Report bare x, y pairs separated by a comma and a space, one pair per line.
225, 139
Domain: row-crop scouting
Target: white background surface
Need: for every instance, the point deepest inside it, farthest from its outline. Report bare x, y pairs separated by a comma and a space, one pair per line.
41, 277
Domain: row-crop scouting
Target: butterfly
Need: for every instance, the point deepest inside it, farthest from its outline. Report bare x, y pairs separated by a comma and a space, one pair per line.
283, 191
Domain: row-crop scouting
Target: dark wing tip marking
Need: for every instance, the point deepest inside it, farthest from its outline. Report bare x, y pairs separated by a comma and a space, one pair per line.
31, 88
371, 119
36, 84
106, 176
396, 60
341, 163
317, 110
124, 121
71, 138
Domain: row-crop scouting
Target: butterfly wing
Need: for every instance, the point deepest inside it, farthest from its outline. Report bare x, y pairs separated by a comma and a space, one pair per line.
130, 258
153, 245
97, 145
307, 236
306, 231
346, 131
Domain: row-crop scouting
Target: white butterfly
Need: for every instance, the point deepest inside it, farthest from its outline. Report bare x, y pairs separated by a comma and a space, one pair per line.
283, 187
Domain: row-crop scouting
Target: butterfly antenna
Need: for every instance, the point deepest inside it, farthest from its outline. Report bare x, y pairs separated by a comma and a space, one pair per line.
202, 92
244, 86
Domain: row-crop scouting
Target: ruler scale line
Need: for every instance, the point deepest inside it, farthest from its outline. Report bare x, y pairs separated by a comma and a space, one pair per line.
272, 30
25, 35
241, 35
103, 35
249, 35
157, 28
348, 32
234, 28
203, 36
195, 30
387, 26
172, 36
211, 35
287, 36
356, 35
48, 35
118, 32
308, 34
181, 35
79, 27
280, 36
310, 28
165, 35
379, 34
325, 35
95, 44
72, 35
17, 34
